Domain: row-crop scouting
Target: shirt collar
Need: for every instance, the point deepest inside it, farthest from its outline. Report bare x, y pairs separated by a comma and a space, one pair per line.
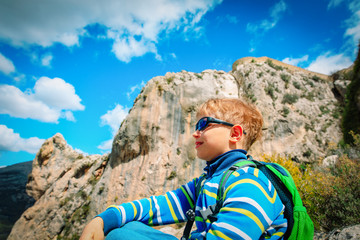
224, 161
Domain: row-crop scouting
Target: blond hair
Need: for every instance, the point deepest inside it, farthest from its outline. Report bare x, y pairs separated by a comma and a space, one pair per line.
237, 112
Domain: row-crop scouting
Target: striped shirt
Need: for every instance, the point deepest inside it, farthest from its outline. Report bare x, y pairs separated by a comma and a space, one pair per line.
251, 210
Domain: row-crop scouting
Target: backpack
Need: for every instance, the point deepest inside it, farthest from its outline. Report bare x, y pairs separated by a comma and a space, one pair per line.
300, 225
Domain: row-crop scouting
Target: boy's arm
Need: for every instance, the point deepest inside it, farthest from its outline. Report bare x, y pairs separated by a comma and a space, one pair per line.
94, 230
251, 206
156, 210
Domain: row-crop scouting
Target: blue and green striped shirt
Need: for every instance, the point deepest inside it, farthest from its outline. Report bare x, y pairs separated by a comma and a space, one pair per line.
251, 210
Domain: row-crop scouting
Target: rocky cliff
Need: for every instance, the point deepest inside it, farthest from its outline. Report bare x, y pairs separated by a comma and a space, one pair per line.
153, 150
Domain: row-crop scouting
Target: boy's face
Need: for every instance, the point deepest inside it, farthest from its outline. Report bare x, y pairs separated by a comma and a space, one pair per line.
212, 141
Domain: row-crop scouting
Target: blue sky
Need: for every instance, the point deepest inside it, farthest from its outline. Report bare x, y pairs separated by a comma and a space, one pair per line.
75, 67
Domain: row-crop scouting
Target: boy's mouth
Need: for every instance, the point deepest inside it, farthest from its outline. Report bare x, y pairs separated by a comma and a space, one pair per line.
198, 144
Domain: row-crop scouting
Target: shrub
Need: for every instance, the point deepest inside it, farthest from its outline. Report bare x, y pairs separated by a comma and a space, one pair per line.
160, 90
198, 75
274, 66
331, 195
343, 207
317, 78
307, 154
269, 90
170, 79
248, 72
81, 170
309, 127
351, 114
310, 96
252, 97
290, 98
308, 81
285, 111
172, 175
297, 85
286, 78
324, 109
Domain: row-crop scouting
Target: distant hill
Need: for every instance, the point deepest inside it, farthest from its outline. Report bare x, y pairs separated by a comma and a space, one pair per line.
14, 200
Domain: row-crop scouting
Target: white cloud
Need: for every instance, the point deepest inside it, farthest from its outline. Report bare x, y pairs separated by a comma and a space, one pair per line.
19, 77
106, 145
23, 105
42, 59
137, 87
295, 61
47, 102
113, 118
6, 65
265, 25
277, 11
354, 27
334, 3
46, 60
57, 93
10, 141
127, 48
68, 115
328, 63
259, 29
232, 19
81, 151
47, 22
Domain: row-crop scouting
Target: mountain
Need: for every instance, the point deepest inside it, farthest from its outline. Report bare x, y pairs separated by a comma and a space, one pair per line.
14, 200
153, 150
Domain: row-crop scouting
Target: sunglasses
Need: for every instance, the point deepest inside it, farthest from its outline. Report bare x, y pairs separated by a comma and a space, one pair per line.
205, 121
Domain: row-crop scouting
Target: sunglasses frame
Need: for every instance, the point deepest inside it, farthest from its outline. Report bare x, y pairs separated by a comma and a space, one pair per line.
211, 120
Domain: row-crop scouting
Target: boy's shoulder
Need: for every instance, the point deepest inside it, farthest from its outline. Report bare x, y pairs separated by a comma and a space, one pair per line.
249, 175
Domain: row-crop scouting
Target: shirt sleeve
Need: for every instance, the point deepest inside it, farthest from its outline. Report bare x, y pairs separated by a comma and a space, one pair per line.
155, 210
251, 210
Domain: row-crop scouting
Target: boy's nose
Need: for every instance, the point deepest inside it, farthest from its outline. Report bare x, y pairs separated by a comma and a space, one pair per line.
196, 134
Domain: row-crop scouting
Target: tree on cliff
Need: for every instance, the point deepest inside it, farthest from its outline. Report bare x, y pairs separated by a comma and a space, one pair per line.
351, 115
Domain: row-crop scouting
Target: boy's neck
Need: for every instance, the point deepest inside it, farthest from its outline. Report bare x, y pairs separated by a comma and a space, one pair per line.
208, 163
224, 161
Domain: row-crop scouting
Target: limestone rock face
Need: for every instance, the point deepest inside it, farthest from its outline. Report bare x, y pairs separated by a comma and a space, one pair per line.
153, 150
347, 233
62, 182
301, 114
350, 233
341, 86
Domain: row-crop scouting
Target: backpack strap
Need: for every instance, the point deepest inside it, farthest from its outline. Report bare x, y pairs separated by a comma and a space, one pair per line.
190, 214
285, 195
211, 211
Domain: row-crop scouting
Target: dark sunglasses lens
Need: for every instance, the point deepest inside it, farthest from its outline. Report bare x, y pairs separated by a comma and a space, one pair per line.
202, 123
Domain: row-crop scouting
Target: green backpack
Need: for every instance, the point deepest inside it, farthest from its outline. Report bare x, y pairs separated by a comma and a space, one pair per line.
300, 225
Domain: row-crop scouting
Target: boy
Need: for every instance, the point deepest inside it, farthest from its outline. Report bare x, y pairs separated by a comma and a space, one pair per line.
251, 209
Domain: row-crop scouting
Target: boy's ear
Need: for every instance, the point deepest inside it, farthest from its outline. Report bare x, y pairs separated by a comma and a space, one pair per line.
236, 133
